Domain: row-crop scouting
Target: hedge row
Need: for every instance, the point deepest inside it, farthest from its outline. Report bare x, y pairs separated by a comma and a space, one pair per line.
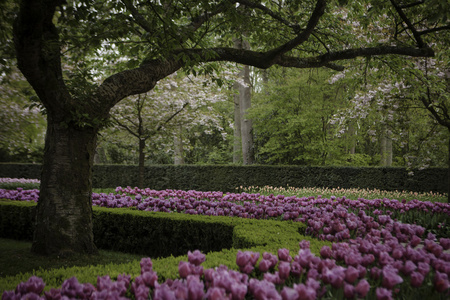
226, 178
159, 234
162, 235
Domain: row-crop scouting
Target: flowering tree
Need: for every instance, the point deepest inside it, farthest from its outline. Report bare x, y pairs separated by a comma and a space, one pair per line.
22, 125
142, 42
178, 101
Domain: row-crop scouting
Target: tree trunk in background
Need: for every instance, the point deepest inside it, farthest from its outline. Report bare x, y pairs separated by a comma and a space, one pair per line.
237, 149
178, 147
242, 102
352, 141
141, 162
64, 210
100, 155
386, 147
246, 124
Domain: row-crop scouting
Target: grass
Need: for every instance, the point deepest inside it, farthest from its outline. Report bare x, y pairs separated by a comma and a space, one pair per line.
16, 258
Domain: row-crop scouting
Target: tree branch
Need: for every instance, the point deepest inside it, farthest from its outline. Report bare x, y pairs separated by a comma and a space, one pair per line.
426, 31
125, 127
302, 36
405, 19
172, 116
275, 16
138, 18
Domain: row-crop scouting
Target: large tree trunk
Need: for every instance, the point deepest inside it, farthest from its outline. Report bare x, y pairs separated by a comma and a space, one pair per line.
64, 210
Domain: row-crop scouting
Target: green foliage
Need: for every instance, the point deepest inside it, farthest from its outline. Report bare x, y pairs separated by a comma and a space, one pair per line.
226, 178
291, 115
174, 232
16, 219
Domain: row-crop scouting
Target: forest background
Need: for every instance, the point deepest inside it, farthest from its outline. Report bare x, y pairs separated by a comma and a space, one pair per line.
299, 117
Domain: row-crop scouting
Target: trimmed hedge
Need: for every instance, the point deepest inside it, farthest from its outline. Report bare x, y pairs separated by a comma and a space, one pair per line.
157, 234
226, 178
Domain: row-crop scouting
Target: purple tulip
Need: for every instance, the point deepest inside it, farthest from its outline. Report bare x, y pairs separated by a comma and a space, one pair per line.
445, 243
390, 277
289, 293
11, 295
35, 285
238, 291
263, 289
149, 278
53, 294
196, 257
408, 268
264, 265
313, 273
284, 269
349, 291
304, 244
283, 255
184, 269
195, 288
383, 294
351, 274
216, 293
325, 252
441, 282
362, 288
146, 264
72, 288
305, 292
271, 257
163, 292
141, 292
247, 269
180, 289
296, 269
423, 268
416, 279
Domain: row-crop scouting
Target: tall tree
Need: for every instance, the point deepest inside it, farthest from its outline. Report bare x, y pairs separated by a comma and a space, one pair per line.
243, 133
142, 42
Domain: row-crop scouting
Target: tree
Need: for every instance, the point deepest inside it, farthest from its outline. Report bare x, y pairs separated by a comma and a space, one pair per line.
291, 113
22, 125
178, 102
140, 43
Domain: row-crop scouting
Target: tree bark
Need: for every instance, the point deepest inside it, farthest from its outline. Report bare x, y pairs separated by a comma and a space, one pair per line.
178, 147
64, 210
141, 162
237, 149
246, 123
242, 102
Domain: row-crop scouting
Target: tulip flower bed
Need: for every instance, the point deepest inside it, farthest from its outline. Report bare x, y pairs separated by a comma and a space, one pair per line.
378, 251
12, 183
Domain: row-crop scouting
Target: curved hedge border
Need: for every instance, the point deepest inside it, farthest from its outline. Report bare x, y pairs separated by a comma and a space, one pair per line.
136, 232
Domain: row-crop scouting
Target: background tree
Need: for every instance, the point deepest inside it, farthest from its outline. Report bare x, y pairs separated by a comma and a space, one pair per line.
148, 42
178, 102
